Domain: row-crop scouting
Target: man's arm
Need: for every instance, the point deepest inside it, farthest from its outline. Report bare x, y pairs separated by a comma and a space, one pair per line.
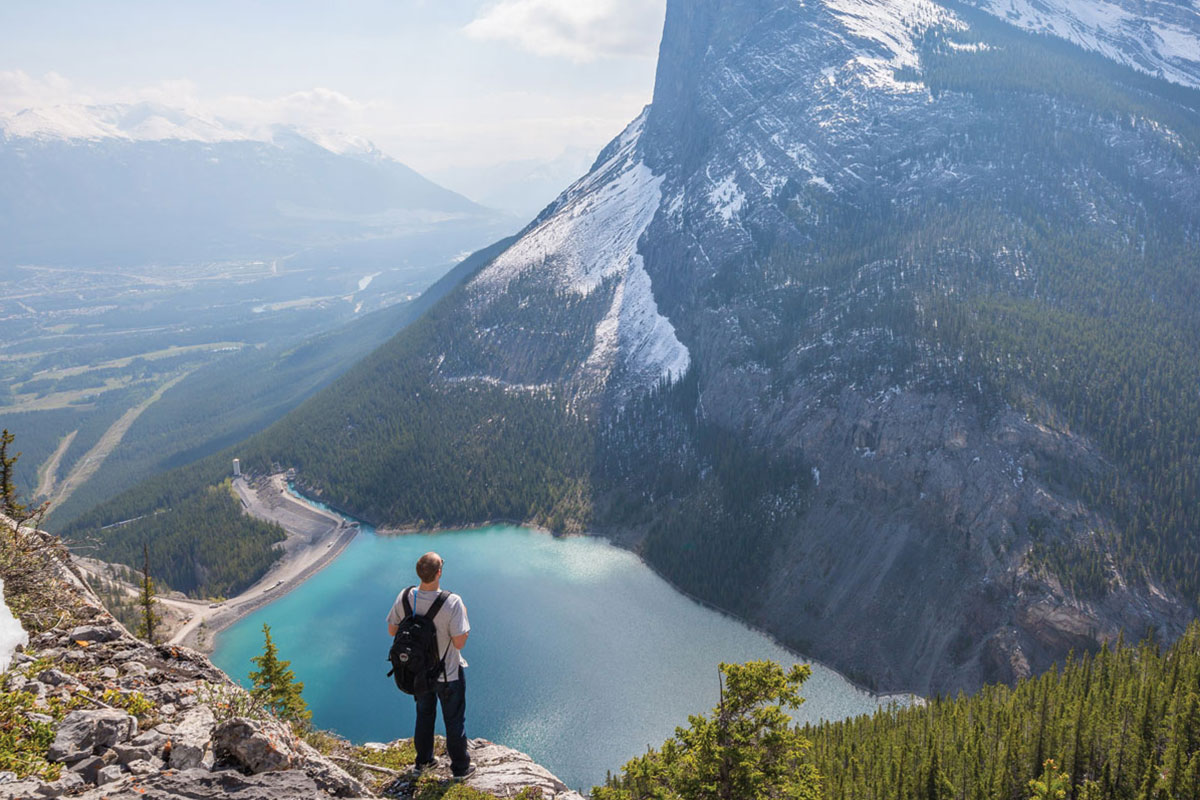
459, 622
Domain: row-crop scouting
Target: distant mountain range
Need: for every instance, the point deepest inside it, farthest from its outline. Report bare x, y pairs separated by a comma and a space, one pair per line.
872, 329
146, 182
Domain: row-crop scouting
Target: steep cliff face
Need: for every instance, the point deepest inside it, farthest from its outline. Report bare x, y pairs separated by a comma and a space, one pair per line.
816, 197
809, 156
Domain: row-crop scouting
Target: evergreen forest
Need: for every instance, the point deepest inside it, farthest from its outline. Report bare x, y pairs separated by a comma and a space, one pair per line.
1122, 724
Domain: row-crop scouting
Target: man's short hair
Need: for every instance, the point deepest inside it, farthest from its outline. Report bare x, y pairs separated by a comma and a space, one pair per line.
428, 566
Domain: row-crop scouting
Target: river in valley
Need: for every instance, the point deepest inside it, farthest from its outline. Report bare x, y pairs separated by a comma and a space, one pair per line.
579, 654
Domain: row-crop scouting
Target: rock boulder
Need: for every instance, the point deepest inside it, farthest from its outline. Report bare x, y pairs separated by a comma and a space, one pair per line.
82, 733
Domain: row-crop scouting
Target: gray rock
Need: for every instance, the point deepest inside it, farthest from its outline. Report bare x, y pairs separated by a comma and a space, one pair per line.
260, 746
7, 777
253, 745
56, 677
108, 673
20, 790
499, 771
134, 669
68, 782
112, 772
16, 682
155, 738
201, 785
127, 753
82, 733
503, 771
21, 659
95, 633
191, 746
147, 767
87, 767
35, 717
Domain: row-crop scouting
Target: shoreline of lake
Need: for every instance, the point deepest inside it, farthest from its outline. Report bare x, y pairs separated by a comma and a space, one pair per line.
621, 542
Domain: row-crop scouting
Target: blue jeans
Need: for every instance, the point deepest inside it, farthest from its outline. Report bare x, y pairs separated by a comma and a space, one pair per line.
453, 697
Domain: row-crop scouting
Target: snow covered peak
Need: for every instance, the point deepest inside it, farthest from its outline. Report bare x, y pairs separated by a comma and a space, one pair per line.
152, 122
1159, 38
134, 122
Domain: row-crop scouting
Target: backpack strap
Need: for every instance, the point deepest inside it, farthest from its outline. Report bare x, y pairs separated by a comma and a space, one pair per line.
442, 597
438, 602
408, 609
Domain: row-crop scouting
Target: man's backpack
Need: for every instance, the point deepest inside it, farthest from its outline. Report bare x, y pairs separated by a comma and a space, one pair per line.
416, 665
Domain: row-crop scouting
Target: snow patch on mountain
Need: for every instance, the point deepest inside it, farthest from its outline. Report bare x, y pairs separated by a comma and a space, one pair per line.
593, 230
889, 29
636, 335
11, 633
726, 198
1161, 39
589, 235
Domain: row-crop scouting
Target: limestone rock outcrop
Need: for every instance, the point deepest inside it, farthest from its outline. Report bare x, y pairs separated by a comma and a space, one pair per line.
158, 722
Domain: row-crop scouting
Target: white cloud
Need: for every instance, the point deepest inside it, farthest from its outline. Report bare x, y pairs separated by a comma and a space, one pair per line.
20, 90
493, 128
580, 30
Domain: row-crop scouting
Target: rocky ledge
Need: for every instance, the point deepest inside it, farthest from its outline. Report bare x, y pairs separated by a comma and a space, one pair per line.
103, 714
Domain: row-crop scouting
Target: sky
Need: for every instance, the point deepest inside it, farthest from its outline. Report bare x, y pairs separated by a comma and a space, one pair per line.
437, 84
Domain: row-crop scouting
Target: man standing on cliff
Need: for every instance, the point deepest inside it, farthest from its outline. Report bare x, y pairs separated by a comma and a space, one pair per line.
452, 629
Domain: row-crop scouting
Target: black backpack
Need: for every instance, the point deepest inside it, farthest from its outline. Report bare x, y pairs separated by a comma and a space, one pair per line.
416, 665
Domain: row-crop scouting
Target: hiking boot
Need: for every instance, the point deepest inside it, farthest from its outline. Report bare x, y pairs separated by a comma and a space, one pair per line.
462, 776
421, 768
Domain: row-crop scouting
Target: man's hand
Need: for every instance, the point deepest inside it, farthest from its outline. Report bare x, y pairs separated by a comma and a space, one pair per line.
460, 642
393, 628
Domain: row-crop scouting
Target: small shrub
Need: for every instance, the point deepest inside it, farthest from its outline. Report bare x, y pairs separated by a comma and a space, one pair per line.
24, 743
228, 701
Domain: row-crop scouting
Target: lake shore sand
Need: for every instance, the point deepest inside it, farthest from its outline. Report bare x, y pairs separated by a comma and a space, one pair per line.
314, 539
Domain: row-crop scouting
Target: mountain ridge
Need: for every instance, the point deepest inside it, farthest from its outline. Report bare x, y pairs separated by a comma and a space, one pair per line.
147, 183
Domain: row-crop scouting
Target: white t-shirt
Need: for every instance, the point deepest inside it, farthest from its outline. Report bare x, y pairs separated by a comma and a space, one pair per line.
450, 621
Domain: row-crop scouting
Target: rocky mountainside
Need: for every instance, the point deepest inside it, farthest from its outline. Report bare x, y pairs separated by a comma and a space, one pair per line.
90, 711
145, 182
1159, 38
867, 330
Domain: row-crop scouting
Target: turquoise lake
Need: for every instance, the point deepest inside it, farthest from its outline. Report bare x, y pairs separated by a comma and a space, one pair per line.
579, 654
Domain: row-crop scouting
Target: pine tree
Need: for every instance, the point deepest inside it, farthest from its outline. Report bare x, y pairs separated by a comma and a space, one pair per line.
1051, 786
10, 504
747, 748
275, 685
150, 618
